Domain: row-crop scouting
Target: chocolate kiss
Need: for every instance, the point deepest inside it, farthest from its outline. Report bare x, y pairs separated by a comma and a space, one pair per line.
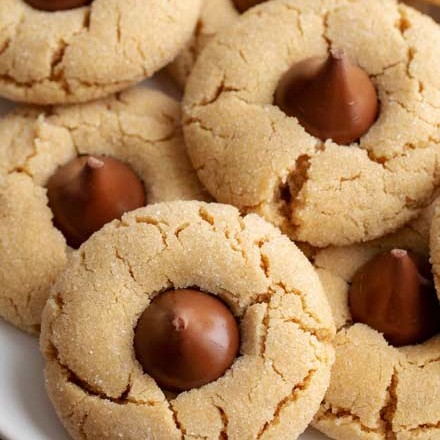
331, 98
394, 293
89, 192
185, 339
244, 5
57, 5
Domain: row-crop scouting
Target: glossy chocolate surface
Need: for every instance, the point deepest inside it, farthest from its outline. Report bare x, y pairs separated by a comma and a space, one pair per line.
394, 293
186, 339
57, 5
89, 192
331, 98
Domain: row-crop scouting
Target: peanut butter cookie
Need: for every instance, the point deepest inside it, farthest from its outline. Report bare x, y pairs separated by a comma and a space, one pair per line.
70, 51
385, 379
333, 165
64, 172
187, 320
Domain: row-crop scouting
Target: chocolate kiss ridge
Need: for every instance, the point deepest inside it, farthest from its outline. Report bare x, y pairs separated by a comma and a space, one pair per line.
185, 339
244, 5
331, 98
394, 293
89, 192
57, 5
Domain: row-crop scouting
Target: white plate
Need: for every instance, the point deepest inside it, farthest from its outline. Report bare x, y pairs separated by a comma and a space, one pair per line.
26, 412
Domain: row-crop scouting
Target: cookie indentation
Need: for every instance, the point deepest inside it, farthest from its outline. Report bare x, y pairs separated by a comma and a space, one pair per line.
378, 390
139, 128
167, 247
243, 146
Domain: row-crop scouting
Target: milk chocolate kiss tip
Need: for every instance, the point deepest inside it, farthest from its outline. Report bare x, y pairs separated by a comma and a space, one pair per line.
94, 163
89, 192
331, 98
57, 5
394, 293
185, 339
399, 253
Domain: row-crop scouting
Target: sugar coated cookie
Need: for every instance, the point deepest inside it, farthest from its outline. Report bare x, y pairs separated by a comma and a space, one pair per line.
64, 172
215, 325
329, 165
384, 382
69, 51
214, 16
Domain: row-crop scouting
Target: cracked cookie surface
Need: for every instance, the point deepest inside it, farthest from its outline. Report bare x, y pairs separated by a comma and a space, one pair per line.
250, 154
377, 392
274, 386
435, 246
140, 127
89, 52
214, 16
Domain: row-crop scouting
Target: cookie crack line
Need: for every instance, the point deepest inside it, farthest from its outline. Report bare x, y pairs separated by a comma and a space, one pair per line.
28, 85
415, 115
15, 308
173, 132
153, 222
130, 272
193, 48
76, 381
333, 412
52, 354
402, 26
225, 423
297, 390
22, 167
425, 427
263, 341
325, 19
127, 264
50, 112
234, 241
423, 364
57, 56
57, 73
387, 431
388, 412
179, 426
299, 14
83, 261
81, 426
322, 336
5, 46
17, 25
263, 345
220, 89
265, 268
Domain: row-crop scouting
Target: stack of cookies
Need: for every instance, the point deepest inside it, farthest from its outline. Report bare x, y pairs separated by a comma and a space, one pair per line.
260, 257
